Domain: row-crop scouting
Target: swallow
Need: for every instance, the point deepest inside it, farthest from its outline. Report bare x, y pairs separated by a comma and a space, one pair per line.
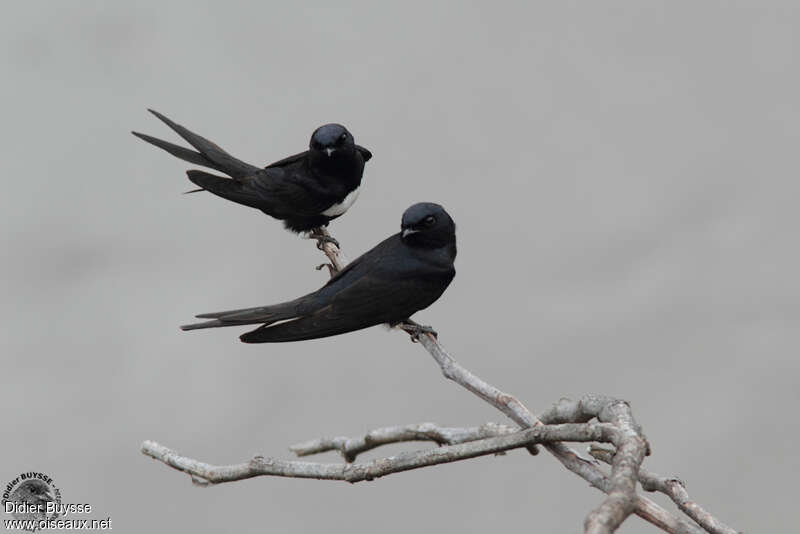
403, 274
305, 191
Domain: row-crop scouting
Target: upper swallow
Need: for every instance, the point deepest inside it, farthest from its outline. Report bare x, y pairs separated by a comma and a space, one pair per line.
306, 190
403, 274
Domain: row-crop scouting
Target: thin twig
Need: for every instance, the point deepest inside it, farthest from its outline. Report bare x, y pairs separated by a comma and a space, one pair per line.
674, 489
625, 466
565, 421
620, 487
621, 499
334, 254
215, 474
350, 448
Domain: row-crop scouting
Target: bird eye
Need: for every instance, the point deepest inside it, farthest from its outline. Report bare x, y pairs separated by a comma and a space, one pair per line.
343, 138
429, 220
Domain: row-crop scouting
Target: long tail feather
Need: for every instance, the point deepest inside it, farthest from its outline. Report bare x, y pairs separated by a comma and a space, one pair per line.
222, 160
179, 152
265, 315
207, 324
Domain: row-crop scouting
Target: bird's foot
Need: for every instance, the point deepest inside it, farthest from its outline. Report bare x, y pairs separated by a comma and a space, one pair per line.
322, 237
331, 268
416, 330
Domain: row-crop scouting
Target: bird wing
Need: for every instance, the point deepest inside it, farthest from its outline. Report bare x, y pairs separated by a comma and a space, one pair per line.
384, 285
367, 302
288, 160
305, 305
366, 154
289, 191
260, 314
280, 193
380, 287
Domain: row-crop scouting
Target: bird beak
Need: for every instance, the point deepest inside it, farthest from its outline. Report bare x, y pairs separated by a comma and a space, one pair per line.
408, 232
46, 496
330, 151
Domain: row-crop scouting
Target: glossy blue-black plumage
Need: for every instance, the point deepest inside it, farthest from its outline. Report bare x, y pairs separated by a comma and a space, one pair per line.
306, 190
403, 274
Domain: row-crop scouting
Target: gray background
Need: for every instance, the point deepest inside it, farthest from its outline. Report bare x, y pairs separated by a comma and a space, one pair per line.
624, 179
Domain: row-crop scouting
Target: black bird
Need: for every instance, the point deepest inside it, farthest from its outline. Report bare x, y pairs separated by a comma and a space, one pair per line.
403, 274
305, 191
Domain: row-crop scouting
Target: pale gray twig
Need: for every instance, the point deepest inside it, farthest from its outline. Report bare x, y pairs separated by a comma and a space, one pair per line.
334, 254
566, 421
350, 448
620, 502
631, 451
674, 489
356, 472
620, 487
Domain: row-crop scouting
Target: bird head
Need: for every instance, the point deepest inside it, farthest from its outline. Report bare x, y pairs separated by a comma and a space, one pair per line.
332, 140
33, 492
427, 225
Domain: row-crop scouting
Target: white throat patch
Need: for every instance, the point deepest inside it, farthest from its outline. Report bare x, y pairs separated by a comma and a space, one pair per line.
344, 205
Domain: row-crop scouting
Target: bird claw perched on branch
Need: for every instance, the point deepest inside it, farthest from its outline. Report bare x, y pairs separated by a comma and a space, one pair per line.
331, 268
321, 240
333, 250
322, 237
416, 330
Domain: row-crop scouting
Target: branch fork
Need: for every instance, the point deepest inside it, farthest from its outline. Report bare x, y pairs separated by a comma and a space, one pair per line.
591, 418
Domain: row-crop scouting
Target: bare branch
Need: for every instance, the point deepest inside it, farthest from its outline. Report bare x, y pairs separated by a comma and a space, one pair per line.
580, 411
675, 490
565, 421
204, 473
350, 448
334, 254
620, 487
452, 370
658, 516
625, 466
